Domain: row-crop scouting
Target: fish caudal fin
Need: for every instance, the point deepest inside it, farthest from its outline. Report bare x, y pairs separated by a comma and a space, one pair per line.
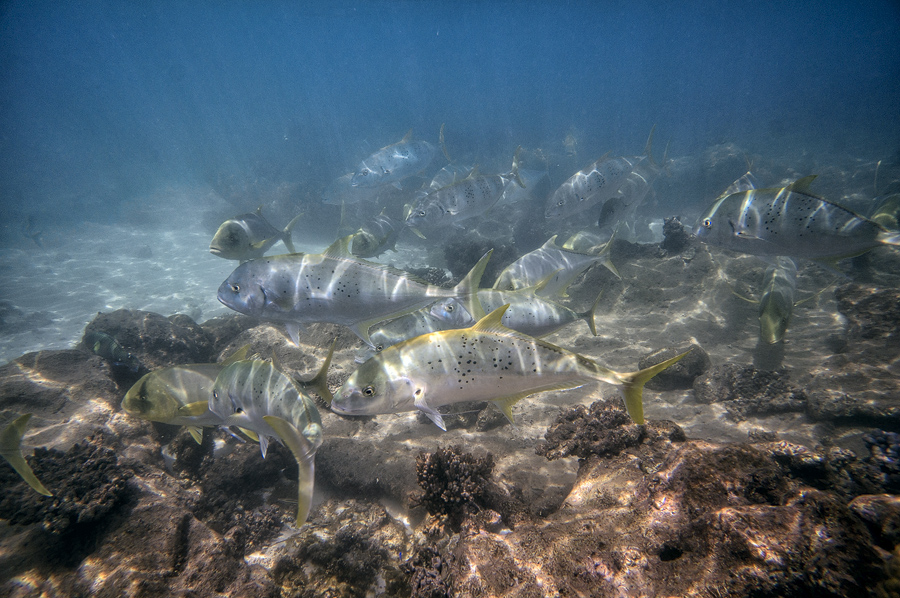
466, 292
319, 382
633, 387
11, 450
304, 450
588, 316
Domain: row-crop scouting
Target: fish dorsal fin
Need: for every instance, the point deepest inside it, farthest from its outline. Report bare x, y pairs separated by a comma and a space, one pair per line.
340, 248
551, 243
492, 321
472, 173
802, 185
407, 137
238, 355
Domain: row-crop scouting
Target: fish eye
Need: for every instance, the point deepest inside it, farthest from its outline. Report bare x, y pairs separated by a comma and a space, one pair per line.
378, 349
421, 212
450, 308
707, 223
236, 288
369, 391
562, 202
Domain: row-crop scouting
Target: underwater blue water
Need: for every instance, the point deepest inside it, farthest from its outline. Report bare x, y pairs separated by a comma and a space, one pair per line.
104, 101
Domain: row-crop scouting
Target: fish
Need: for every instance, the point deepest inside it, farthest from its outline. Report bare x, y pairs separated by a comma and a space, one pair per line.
393, 163
164, 395
337, 287
376, 236
465, 199
442, 315
598, 182
528, 312
777, 301
256, 395
249, 236
485, 362
565, 265
109, 349
789, 221
11, 451
449, 174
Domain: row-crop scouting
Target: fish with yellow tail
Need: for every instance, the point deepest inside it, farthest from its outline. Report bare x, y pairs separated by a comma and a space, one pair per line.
260, 398
487, 362
164, 395
249, 236
790, 221
337, 287
11, 451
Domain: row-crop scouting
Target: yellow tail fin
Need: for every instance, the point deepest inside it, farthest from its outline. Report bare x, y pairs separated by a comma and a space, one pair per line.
11, 450
633, 387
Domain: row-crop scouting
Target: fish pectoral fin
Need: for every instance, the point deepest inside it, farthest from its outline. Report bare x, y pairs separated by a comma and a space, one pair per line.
11, 450
263, 445
303, 447
428, 410
194, 409
250, 434
293, 330
196, 433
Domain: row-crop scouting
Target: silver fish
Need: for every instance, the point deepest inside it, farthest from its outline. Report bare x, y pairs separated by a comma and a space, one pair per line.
471, 197
256, 395
550, 259
776, 303
594, 184
376, 236
335, 286
393, 163
179, 395
442, 315
449, 174
528, 312
249, 236
11, 451
789, 221
486, 362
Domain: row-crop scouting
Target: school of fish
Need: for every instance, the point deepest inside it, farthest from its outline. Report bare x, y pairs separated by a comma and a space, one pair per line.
423, 345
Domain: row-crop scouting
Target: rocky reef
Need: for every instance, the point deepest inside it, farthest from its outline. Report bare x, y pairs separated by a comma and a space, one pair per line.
586, 503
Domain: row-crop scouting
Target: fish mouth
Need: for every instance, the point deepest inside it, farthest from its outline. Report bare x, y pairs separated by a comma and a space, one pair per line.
215, 250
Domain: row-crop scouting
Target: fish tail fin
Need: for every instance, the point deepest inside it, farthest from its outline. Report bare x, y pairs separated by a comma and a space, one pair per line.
286, 234
466, 292
514, 172
603, 255
588, 316
444, 145
11, 450
633, 387
303, 447
319, 382
889, 237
